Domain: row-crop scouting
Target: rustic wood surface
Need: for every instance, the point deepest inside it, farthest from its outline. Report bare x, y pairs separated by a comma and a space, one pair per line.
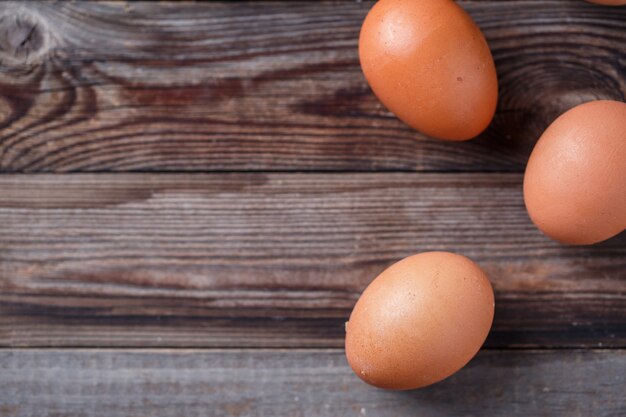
278, 259
231, 253
99, 383
265, 86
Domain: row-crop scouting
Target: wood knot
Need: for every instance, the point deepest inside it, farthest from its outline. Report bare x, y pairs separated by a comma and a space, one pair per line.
23, 39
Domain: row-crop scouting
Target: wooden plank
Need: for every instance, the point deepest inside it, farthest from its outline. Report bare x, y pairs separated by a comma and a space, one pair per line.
110, 86
219, 260
319, 383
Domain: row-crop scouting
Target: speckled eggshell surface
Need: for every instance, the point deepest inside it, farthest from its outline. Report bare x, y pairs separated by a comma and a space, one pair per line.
419, 321
575, 180
429, 64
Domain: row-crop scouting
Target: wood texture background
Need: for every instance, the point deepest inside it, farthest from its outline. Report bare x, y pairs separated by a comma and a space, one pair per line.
243, 383
205, 259
264, 86
216, 182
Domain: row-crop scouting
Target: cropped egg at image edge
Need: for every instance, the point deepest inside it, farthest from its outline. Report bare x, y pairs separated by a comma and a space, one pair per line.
313, 208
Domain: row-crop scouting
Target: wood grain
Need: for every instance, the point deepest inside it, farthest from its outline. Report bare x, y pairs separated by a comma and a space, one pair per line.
93, 383
220, 260
270, 86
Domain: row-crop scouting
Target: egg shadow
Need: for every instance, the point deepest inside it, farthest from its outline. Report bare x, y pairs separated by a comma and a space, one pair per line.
618, 241
615, 248
502, 381
542, 74
489, 384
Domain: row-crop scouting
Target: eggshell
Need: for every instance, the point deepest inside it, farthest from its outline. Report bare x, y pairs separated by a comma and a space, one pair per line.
575, 181
419, 321
429, 64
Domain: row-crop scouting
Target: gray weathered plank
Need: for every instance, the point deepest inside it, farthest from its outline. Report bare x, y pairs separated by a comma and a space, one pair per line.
217, 260
121, 383
88, 86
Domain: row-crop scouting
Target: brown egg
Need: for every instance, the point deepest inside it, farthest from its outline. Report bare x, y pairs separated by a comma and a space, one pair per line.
609, 2
575, 181
428, 63
419, 321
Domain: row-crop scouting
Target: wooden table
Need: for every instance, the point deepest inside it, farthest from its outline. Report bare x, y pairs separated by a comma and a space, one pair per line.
194, 195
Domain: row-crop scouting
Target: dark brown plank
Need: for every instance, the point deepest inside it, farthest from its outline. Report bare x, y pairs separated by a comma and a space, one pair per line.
270, 86
318, 383
221, 260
